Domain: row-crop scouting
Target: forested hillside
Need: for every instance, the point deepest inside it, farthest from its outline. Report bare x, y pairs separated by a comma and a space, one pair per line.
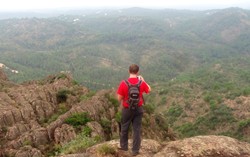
99, 47
196, 61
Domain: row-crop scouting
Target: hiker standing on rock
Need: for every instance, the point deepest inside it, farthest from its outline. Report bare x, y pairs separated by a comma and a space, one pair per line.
130, 94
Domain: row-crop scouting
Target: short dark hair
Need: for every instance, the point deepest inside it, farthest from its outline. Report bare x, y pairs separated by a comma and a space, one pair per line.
133, 69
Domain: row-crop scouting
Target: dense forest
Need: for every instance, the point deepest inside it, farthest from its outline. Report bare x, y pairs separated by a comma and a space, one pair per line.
196, 61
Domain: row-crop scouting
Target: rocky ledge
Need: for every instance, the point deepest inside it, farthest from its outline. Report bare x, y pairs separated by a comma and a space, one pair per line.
199, 146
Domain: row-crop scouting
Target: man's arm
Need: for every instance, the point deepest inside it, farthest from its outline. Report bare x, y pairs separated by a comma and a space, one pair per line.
119, 97
141, 78
149, 88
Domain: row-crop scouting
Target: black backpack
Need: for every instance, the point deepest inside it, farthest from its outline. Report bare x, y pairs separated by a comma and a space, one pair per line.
133, 94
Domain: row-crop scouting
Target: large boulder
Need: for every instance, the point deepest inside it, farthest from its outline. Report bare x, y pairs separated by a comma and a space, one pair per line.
206, 146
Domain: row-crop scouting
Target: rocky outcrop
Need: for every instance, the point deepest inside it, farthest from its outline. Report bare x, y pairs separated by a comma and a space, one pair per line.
26, 111
206, 146
200, 146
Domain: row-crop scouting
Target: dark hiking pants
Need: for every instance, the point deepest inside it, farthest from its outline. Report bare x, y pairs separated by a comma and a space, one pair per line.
134, 117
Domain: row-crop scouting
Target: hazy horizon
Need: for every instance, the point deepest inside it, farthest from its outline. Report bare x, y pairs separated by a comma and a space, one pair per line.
62, 5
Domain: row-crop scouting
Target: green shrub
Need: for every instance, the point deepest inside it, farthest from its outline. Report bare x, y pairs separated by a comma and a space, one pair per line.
218, 115
78, 119
188, 130
87, 96
80, 144
149, 108
162, 101
27, 142
74, 82
98, 138
106, 124
213, 105
175, 111
62, 108
106, 149
4, 129
233, 94
62, 76
243, 124
246, 91
118, 116
87, 131
112, 100
163, 91
62, 95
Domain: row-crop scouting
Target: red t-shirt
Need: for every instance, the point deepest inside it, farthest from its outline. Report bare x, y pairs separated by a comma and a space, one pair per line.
123, 90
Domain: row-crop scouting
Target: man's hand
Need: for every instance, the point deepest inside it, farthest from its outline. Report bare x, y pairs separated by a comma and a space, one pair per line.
140, 78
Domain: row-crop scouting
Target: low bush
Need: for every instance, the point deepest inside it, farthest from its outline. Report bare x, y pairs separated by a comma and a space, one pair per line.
106, 149
78, 119
79, 145
149, 108
243, 124
62, 95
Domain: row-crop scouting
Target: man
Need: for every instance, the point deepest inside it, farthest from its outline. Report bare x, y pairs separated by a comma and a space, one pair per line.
131, 116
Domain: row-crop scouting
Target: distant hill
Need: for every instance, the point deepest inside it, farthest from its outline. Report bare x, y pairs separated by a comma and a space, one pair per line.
166, 43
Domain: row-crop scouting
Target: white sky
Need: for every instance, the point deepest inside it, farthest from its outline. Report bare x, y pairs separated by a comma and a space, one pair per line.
24, 5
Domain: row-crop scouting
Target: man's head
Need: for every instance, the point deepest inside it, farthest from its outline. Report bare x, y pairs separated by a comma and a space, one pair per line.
133, 69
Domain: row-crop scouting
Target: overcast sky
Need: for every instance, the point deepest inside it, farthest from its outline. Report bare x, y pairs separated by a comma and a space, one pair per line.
26, 5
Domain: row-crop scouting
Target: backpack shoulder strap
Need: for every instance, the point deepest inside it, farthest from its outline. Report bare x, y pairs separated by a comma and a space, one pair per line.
128, 83
139, 83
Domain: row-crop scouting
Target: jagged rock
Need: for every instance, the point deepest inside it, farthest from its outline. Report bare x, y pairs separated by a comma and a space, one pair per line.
26, 108
39, 137
28, 151
16, 130
64, 134
96, 129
